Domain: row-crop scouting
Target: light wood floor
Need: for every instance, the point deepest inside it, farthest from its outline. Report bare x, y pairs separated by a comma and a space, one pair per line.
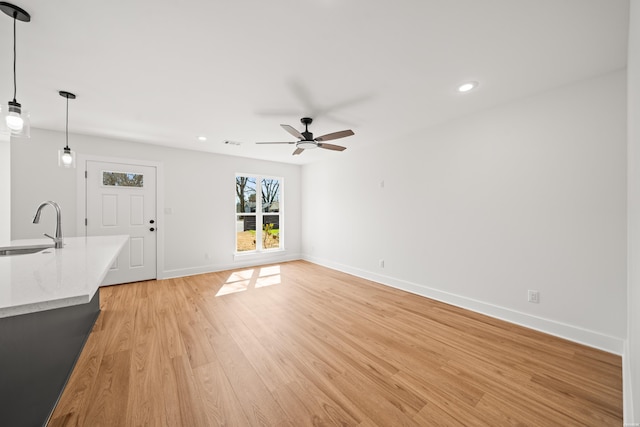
296, 344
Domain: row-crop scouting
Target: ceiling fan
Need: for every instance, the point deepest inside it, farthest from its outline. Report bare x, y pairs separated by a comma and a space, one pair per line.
306, 141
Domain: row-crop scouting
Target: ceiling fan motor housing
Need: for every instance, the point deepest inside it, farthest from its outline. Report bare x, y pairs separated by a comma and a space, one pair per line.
308, 141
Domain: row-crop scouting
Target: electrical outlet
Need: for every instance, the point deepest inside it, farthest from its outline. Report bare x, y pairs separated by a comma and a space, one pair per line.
381, 263
533, 296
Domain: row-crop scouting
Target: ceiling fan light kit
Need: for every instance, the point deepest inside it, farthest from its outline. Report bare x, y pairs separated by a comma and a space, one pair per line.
306, 141
307, 145
15, 119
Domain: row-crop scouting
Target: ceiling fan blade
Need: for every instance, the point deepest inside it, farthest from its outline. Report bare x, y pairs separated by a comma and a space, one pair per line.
277, 142
332, 147
298, 151
293, 131
335, 135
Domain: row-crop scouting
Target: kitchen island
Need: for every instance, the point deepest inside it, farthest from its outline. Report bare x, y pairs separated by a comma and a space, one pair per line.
49, 301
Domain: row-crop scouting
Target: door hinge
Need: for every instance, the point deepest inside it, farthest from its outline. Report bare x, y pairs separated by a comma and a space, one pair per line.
85, 222
85, 174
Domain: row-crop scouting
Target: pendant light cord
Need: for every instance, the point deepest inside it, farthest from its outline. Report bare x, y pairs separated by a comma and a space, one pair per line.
67, 126
14, 58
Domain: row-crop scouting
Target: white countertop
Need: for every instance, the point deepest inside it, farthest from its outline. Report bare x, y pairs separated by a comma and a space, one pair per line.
54, 278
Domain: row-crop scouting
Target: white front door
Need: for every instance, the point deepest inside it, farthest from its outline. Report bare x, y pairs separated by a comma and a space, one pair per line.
121, 199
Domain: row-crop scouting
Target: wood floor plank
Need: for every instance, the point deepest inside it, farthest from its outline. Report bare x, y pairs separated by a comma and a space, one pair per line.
221, 405
319, 405
119, 320
262, 361
316, 377
64, 420
145, 405
259, 405
192, 331
299, 412
433, 415
296, 344
377, 408
189, 403
110, 393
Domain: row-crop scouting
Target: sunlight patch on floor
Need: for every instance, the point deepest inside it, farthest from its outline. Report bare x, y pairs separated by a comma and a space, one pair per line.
240, 281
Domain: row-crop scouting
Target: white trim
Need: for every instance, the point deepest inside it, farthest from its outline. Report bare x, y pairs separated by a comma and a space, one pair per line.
572, 333
255, 255
264, 259
81, 205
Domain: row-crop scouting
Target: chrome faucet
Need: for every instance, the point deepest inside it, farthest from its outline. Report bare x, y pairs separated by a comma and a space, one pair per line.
36, 219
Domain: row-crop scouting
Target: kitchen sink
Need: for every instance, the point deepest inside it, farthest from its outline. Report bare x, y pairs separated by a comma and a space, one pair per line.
9, 251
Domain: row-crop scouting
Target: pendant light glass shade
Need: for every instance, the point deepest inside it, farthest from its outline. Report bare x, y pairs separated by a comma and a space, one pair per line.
66, 157
15, 119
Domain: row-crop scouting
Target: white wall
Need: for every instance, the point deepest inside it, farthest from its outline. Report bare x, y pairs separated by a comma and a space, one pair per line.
5, 190
529, 195
199, 190
632, 353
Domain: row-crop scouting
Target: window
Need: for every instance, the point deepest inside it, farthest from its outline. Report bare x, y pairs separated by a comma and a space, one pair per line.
258, 216
122, 179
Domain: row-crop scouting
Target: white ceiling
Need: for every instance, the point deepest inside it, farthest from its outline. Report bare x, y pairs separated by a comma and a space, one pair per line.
166, 72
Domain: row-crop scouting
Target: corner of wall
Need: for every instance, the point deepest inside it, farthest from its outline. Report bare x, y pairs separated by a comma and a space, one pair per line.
627, 389
631, 356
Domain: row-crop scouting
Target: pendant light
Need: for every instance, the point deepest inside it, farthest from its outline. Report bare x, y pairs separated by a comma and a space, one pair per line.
15, 120
66, 157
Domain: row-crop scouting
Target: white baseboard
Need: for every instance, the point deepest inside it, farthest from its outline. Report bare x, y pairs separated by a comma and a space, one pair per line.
250, 261
570, 332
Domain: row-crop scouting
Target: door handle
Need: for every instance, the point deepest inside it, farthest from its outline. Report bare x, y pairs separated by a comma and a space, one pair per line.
152, 229
151, 222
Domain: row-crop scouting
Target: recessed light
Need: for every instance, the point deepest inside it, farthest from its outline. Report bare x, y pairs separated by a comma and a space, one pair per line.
202, 138
466, 87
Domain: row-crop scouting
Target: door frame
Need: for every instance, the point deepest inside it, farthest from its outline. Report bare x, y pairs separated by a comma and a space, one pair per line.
81, 207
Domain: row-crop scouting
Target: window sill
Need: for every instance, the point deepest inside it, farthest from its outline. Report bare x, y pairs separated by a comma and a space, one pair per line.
250, 255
